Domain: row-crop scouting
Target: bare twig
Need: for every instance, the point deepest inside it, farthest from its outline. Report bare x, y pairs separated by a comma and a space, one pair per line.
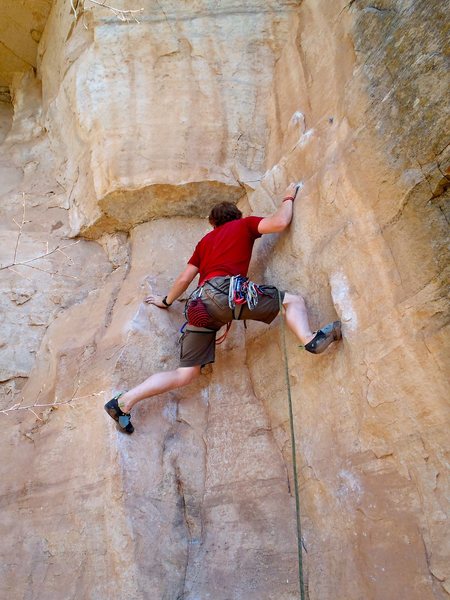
77, 386
35, 414
18, 406
69, 258
20, 274
26, 262
31, 407
20, 228
121, 14
49, 272
74, 10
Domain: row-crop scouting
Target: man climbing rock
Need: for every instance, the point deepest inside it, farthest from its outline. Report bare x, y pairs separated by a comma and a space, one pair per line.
224, 293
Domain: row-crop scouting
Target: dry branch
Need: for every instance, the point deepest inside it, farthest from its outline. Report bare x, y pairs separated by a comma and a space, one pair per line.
27, 263
124, 15
20, 227
31, 407
74, 10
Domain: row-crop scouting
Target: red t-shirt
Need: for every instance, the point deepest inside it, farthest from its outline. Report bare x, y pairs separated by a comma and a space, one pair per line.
226, 250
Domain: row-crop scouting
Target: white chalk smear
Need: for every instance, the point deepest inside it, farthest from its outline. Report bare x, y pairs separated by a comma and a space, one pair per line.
350, 485
340, 293
305, 137
298, 118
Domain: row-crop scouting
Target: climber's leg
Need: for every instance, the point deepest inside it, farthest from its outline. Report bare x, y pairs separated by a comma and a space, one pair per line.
297, 320
158, 384
297, 317
268, 307
197, 349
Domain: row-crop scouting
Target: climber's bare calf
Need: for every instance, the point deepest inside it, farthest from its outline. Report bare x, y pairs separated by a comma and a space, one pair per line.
159, 383
297, 317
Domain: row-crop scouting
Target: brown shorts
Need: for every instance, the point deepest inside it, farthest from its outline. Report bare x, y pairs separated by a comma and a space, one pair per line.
198, 344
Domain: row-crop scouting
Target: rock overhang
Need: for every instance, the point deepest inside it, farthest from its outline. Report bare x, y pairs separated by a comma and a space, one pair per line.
123, 208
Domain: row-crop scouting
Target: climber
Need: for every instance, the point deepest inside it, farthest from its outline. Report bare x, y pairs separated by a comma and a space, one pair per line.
224, 293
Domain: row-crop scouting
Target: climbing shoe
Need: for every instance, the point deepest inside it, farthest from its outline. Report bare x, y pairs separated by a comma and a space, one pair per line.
123, 419
324, 337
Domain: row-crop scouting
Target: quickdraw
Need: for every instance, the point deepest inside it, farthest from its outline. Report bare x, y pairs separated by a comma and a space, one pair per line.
242, 291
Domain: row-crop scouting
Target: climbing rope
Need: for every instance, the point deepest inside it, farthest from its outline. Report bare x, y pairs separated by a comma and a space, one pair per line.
294, 457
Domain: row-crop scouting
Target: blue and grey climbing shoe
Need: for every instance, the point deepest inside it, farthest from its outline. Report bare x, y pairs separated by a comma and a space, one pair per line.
114, 411
324, 337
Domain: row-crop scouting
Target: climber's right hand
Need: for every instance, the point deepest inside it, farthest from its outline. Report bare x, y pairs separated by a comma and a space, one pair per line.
156, 301
291, 190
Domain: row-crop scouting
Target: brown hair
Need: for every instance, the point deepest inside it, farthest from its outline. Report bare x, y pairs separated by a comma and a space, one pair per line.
223, 213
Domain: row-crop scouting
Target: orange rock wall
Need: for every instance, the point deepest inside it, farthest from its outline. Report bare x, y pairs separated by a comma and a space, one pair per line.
127, 136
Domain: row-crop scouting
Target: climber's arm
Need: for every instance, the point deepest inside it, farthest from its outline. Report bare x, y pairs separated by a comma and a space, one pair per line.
281, 218
180, 285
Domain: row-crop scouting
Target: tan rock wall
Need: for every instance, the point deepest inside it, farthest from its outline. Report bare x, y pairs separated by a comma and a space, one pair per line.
137, 129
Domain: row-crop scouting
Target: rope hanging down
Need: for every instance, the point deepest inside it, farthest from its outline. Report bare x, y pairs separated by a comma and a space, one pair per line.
294, 457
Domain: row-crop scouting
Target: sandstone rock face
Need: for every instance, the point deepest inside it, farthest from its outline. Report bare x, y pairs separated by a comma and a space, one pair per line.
21, 29
112, 158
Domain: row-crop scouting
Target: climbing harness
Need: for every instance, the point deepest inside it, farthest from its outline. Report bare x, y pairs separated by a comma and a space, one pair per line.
241, 291
196, 313
294, 455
